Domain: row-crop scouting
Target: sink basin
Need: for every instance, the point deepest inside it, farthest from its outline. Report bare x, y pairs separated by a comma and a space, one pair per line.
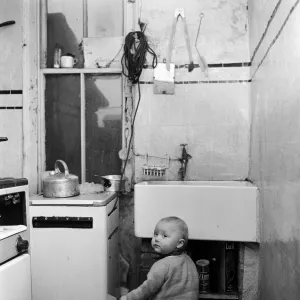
213, 210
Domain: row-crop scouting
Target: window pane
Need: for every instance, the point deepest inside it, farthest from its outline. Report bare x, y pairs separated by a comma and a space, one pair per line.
62, 118
103, 126
65, 26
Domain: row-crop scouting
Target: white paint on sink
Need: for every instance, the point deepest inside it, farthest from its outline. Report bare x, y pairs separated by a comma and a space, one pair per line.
213, 210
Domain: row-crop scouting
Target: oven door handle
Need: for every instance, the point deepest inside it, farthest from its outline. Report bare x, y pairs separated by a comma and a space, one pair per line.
62, 222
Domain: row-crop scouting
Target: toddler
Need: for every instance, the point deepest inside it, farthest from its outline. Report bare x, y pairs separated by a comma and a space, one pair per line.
174, 276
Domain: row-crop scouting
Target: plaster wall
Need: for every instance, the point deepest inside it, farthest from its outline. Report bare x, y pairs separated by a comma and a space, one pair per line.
275, 142
210, 114
11, 89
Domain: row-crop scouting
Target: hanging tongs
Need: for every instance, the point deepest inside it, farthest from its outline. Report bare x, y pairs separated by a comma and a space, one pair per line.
7, 23
179, 12
202, 63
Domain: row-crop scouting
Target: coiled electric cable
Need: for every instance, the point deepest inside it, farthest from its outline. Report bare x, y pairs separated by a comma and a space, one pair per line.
134, 57
133, 60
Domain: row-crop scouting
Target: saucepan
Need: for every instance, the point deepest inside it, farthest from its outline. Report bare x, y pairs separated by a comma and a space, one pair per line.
113, 183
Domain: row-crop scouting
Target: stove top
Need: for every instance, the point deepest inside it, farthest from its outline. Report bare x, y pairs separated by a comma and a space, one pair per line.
7, 182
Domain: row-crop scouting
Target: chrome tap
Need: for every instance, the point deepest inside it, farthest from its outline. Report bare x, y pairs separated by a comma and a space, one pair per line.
184, 160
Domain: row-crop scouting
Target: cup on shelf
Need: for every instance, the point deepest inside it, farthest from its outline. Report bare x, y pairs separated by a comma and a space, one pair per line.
68, 61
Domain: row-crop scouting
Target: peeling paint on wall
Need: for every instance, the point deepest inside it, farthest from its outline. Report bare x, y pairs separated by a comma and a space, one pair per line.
210, 114
275, 143
223, 34
11, 45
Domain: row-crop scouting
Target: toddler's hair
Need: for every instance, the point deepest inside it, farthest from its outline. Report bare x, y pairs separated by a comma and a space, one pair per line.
181, 226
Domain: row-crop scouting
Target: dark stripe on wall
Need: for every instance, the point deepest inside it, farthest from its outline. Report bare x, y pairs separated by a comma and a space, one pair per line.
277, 35
207, 82
8, 92
11, 107
230, 65
219, 65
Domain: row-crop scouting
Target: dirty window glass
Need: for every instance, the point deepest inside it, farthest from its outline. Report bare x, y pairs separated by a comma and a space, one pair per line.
62, 121
103, 126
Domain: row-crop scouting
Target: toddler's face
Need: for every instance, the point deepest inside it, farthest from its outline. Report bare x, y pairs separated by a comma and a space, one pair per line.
167, 237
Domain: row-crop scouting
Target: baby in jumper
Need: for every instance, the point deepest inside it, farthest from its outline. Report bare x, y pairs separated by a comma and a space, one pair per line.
174, 276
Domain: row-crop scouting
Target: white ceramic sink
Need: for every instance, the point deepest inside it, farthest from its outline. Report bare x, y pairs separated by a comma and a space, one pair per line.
213, 210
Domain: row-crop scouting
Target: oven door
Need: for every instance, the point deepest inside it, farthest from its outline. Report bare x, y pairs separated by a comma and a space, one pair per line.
13, 241
15, 280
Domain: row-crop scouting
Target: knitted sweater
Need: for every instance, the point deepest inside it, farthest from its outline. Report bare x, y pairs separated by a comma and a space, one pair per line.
172, 277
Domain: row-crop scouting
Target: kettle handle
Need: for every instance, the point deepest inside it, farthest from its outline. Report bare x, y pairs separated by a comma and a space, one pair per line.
57, 170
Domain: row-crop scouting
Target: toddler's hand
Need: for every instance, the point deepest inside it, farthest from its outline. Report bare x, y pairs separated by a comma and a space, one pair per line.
123, 298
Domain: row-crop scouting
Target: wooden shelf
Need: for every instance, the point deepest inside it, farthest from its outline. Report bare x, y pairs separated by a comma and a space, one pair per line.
219, 296
82, 71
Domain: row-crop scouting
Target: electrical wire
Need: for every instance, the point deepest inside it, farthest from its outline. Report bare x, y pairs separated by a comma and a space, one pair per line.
128, 150
132, 126
133, 61
134, 57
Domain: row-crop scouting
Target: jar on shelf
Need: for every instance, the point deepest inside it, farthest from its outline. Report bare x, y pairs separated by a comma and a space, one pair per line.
57, 56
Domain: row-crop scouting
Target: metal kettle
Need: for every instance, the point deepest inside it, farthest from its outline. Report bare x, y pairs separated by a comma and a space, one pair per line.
60, 185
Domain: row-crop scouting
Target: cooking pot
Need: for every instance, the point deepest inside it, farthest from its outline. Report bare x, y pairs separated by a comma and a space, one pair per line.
60, 185
113, 183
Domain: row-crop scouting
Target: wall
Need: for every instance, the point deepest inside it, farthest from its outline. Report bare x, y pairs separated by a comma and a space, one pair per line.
210, 114
11, 89
275, 142
19, 90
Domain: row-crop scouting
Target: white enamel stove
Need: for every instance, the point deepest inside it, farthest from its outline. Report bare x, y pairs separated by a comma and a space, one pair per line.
15, 278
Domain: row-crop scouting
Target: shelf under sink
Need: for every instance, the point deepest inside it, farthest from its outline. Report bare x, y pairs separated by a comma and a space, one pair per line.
218, 296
